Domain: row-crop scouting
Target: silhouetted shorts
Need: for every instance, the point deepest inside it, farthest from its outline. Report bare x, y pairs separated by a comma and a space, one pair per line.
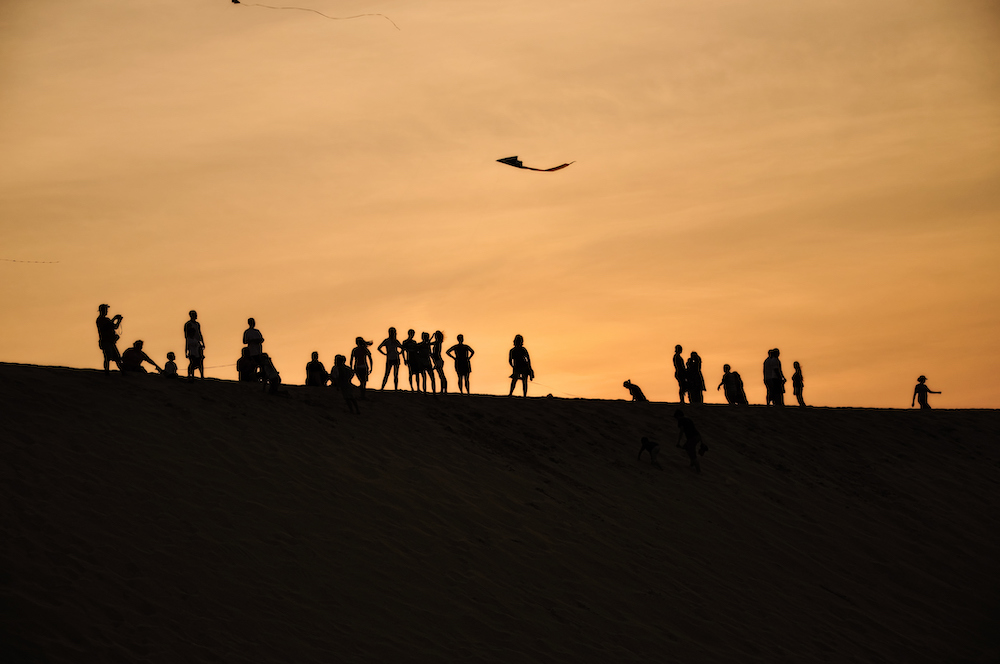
111, 352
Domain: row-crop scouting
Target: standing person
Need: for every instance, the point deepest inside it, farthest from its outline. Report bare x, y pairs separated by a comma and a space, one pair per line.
316, 375
107, 337
361, 362
797, 383
391, 348
340, 376
437, 361
920, 393
424, 366
680, 373
254, 342
774, 379
410, 357
194, 346
695, 380
462, 355
520, 361
693, 444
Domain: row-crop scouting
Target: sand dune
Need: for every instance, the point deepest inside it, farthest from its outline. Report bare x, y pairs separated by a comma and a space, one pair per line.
146, 520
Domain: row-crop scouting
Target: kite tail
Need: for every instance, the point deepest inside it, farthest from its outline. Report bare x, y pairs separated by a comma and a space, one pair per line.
306, 9
14, 260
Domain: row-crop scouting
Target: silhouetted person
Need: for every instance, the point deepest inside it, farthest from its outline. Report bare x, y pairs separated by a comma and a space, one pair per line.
520, 361
247, 367
422, 353
316, 375
254, 342
654, 450
462, 355
694, 379
340, 376
920, 393
437, 362
361, 362
194, 345
170, 368
272, 379
410, 357
107, 337
732, 386
693, 444
391, 348
797, 383
680, 372
133, 358
774, 379
635, 391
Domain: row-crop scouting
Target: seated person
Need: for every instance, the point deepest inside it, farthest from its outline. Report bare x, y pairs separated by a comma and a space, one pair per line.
635, 391
133, 358
316, 375
170, 368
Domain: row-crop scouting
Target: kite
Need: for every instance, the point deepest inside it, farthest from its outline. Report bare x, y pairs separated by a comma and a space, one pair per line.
517, 163
14, 260
306, 9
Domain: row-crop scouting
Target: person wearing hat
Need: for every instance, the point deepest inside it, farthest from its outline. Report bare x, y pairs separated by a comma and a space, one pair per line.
107, 337
920, 393
194, 345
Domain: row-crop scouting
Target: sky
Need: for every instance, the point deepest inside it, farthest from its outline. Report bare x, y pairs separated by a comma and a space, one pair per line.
821, 177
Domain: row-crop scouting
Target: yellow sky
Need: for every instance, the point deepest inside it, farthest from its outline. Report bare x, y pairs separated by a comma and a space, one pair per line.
820, 176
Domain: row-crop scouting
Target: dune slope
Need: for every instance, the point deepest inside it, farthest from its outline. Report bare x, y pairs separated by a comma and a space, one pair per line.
146, 520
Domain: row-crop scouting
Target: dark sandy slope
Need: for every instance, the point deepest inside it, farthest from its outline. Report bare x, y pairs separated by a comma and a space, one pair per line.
150, 521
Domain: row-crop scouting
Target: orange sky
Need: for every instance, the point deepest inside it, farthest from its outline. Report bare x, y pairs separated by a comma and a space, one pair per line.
821, 177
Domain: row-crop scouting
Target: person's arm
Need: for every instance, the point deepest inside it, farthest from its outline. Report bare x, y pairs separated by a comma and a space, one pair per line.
913, 401
449, 352
354, 355
510, 357
380, 347
471, 352
369, 361
720, 385
531, 372
680, 435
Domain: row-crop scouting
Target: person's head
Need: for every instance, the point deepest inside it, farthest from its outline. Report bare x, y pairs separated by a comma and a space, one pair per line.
103, 309
424, 336
518, 340
392, 333
678, 414
627, 384
193, 314
359, 341
796, 365
461, 338
315, 356
726, 368
777, 352
138, 344
439, 336
339, 360
251, 322
171, 356
922, 379
695, 355
678, 348
410, 333
770, 353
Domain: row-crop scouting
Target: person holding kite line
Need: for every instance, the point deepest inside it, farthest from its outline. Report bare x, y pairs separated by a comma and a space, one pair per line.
520, 361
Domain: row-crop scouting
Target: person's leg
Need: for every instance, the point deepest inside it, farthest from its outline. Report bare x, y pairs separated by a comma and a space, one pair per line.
513, 383
524, 383
444, 381
395, 376
433, 384
385, 378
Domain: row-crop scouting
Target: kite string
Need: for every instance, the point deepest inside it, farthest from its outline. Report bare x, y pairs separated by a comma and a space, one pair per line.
14, 260
332, 18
